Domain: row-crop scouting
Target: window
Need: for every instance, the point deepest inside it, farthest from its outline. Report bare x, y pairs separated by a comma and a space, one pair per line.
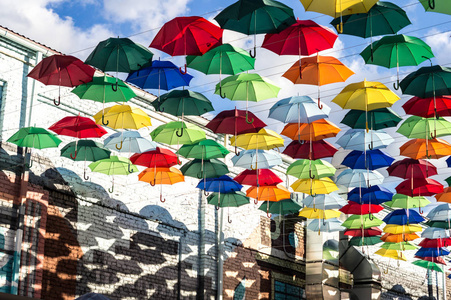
286, 291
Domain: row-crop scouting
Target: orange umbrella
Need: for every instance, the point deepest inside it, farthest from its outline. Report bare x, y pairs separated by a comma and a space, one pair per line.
268, 193
445, 196
161, 176
314, 131
398, 238
423, 148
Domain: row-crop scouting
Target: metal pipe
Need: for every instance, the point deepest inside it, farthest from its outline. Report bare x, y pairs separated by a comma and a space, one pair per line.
201, 248
220, 275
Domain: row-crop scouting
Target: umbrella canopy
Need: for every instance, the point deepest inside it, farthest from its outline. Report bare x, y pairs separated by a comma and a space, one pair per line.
119, 55
428, 107
235, 122
439, 224
301, 109
391, 254
359, 178
438, 259
85, 150
34, 137
336, 8
424, 128
373, 231
412, 168
114, 165
383, 18
402, 246
362, 221
441, 212
314, 186
439, 6
402, 229
78, 127
176, 132
428, 265
282, 207
435, 233
432, 252
357, 139
404, 201
368, 241
183, 102
268, 193
92, 296
314, 131
403, 217
104, 89
187, 36
373, 195
161, 175
377, 119
445, 196
129, 141
304, 168
161, 75
427, 82
257, 159
205, 149
123, 116
158, 158
325, 201
204, 168
265, 139
234, 199
330, 225
398, 238
423, 148
372, 159
313, 213
221, 184
360, 209
304, 37
435, 243
261, 177
310, 150
419, 187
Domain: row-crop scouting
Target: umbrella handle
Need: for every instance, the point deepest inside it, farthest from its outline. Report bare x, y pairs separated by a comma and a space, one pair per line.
120, 147
114, 87
320, 106
426, 56
339, 27
160, 109
183, 71
181, 132
199, 175
420, 211
85, 177
236, 150
206, 193
268, 214
57, 103
371, 145
217, 207
163, 200
434, 134
220, 93
29, 165
255, 52
75, 156
247, 119
311, 175
432, 4
154, 182
371, 216
228, 219
103, 121
253, 168
386, 271
130, 170
324, 222
396, 85
256, 201
179, 162
111, 189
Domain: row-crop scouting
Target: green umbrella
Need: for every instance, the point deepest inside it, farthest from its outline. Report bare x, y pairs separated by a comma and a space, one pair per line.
428, 82
103, 89
377, 119
438, 224
34, 137
206, 149
383, 18
428, 265
174, 133
314, 169
421, 128
359, 221
234, 199
397, 51
204, 168
114, 165
399, 246
439, 6
282, 207
183, 102
368, 241
404, 201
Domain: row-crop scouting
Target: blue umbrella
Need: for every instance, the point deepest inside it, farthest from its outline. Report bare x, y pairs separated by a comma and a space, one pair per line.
300, 109
161, 75
222, 184
403, 217
372, 159
359, 178
359, 139
374, 195
432, 252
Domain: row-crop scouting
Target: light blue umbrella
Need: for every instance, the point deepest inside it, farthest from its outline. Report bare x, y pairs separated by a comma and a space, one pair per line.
300, 109
129, 141
359, 178
261, 159
329, 225
325, 201
441, 212
359, 139
435, 233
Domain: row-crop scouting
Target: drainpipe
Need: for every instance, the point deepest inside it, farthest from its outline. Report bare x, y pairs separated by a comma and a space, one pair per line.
219, 282
179, 267
430, 285
201, 249
444, 285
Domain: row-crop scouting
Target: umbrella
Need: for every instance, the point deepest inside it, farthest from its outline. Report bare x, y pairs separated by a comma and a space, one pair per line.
314, 186
391, 254
92, 296
255, 17
424, 128
78, 127
412, 168
305, 168
438, 259
428, 265
367, 240
423, 148
359, 178
402, 229
435, 233
205, 149
428, 82
264, 139
372, 159
432, 252
425, 107
129, 141
114, 165
183, 103
445, 196
304, 37
158, 158
62, 70
104, 89
325, 201
403, 217
313, 213
354, 208
204, 168
34, 137
257, 159
361, 221
176, 132
298, 109
398, 238
419, 187
268, 193
402, 246
372, 231
336, 8
234, 199
383, 18
404, 201
161, 175
435, 243
329, 225
377, 119
314, 131
123, 116
222, 184
373, 195
441, 212
235, 122
438, 224
310, 150
282, 207
439, 6
357, 139
261, 177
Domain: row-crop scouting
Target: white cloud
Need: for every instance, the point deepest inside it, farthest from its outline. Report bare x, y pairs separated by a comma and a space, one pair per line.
440, 44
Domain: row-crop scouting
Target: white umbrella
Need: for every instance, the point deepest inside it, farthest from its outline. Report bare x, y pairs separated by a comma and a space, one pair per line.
257, 159
129, 141
359, 178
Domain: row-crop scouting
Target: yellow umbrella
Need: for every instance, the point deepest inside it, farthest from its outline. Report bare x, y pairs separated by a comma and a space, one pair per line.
314, 186
123, 116
313, 213
265, 139
399, 229
395, 254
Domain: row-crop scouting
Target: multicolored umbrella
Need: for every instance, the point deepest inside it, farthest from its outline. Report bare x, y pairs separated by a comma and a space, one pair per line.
300, 109
176, 132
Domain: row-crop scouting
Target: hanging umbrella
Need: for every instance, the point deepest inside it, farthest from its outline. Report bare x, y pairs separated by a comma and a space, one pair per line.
372, 231
441, 212
432, 252
123, 116
362, 221
222, 184
301, 109
310, 150
399, 246
372, 160
314, 186
439, 6
366, 241
114, 165
264, 139
428, 82
158, 158
404, 201
261, 177
395, 254
445, 196
377, 119
104, 89
62, 70
205, 149
353, 208
373, 195
359, 178
314, 131
412, 168
403, 217
204, 168
424, 107
167, 176
282, 207
234, 122
438, 259
78, 127
330, 225
402, 229
357, 139
174, 133
234, 199
423, 148
398, 238
424, 128
421, 187
129, 141
34, 137
305, 168
435, 243
428, 264
325, 201
257, 159
313, 213
183, 103
435, 233
253, 17
338, 8
268, 193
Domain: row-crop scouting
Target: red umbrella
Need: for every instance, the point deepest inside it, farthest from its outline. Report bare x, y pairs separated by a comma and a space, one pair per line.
260, 177
373, 231
304, 37
421, 187
435, 243
158, 158
62, 70
412, 168
424, 107
79, 127
438, 259
310, 150
353, 208
234, 122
